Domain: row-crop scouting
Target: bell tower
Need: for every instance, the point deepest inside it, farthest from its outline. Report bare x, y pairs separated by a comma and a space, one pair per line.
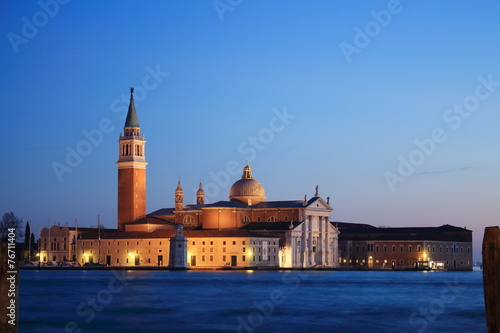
179, 197
131, 169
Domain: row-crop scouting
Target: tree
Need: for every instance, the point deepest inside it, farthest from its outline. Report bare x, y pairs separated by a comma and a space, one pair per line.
9, 220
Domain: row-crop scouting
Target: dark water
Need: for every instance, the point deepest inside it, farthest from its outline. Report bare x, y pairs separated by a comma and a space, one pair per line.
171, 301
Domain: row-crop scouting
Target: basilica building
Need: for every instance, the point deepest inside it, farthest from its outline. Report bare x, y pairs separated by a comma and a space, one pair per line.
245, 231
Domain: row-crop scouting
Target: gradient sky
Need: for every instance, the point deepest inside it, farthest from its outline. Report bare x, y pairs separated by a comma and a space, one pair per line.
224, 70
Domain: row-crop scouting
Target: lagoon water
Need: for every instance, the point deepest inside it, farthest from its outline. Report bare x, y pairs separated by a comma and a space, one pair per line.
245, 301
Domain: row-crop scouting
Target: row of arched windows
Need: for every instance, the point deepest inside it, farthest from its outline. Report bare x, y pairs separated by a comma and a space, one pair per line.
131, 149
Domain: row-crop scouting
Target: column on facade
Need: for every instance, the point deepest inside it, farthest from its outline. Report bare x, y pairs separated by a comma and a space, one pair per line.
304, 248
321, 249
310, 240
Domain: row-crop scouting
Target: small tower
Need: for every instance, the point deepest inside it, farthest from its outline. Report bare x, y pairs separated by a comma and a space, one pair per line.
179, 196
200, 196
178, 249
131, 169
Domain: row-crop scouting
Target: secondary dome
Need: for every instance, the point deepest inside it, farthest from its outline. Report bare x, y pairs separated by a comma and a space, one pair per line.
247, 189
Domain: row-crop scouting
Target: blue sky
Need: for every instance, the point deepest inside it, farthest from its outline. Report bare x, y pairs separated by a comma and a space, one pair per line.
212, 75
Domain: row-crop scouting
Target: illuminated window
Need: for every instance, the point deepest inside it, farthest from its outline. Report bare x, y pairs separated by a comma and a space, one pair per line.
245, 219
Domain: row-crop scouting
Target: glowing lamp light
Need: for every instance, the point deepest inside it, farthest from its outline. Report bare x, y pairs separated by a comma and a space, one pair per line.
250, 253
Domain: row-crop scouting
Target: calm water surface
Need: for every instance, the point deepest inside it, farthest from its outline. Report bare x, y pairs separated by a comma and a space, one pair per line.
220, 301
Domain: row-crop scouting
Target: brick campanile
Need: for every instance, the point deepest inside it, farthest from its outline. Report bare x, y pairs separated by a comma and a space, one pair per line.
131, 169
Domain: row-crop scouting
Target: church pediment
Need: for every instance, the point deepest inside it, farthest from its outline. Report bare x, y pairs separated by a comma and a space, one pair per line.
319, 204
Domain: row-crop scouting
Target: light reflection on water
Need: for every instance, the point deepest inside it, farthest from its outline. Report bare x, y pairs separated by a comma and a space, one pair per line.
261, 301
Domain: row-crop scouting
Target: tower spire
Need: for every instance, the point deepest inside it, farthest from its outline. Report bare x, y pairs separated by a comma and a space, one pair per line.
132, 120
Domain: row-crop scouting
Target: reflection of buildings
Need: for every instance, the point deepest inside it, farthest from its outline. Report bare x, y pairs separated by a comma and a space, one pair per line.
245, 231
365, 246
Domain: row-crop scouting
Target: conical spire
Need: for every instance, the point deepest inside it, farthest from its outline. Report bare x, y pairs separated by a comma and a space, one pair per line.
200, 190
179, 188
132, 120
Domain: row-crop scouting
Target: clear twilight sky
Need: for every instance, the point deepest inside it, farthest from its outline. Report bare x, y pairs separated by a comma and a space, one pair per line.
392, 108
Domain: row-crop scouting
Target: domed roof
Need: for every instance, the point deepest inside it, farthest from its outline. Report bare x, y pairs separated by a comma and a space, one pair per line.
247, 189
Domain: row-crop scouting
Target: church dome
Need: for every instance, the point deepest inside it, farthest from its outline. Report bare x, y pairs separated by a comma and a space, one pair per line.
247, 189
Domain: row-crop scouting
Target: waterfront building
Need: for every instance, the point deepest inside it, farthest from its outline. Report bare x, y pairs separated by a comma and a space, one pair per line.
57, 243
366, 246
